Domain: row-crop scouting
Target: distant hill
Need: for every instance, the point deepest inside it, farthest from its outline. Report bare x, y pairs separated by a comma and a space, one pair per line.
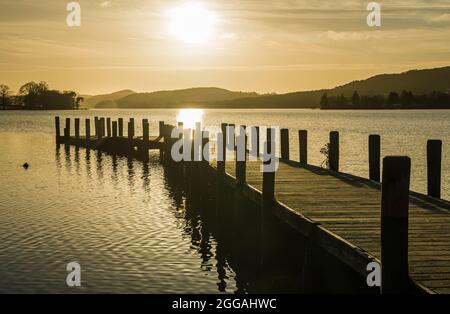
416, 81
93, 101
193, 97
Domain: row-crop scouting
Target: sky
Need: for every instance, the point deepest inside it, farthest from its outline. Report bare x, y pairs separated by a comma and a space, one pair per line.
267, 46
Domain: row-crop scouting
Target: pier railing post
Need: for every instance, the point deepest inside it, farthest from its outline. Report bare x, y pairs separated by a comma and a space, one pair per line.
241, 156
303, 146
268, 193
57, 129
96, 127
394, 224
284, 144
102, 128
334, 151
77, 128
120, 127
374, 157
145, 130
114, 129
131, 129
434, 159
258, 150
162, 135
108, 126
221, 160
67, 129
88, 132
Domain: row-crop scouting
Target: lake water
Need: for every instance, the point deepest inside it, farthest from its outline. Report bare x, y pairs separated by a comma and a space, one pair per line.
125, 223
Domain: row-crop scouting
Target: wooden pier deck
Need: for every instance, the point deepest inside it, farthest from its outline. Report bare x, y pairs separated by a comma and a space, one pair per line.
347, 210
352, 218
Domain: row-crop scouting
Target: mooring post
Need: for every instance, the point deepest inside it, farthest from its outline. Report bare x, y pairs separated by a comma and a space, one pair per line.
96, 126
162, 136
67, 129
108, 127
284, 143
168, 142
120, 127
303, 146
131, 129
334, 151
241, 156
374, 157
221, 160
434, 159
88, 132
114, 129
257, 142
233, 139
145, 130
57, 129
102, 127
77, 128
268, 192
394, 224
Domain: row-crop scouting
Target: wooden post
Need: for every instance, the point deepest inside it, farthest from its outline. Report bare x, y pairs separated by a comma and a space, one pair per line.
161, 135
221, 163
57, 129
114, 129
374, 157
434, 159
120, 127
131, 129
334, 151
108, 126
394, 224
145, 130
284, 144
96, 126
77, 128
303, 146
102, 127
88, 131
268, 192
257, 142
241, 165
233, 140
168, 142
161, 128
67, 129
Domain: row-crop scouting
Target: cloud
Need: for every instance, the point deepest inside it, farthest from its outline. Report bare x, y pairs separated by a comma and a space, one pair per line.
443, 18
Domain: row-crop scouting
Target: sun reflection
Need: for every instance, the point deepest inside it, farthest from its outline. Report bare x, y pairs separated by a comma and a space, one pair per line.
189, 117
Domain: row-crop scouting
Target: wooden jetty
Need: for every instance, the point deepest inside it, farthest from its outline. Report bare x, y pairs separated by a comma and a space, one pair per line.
356, 220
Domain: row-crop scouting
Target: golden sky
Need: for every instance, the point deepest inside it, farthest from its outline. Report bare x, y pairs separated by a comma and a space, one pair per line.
249, 45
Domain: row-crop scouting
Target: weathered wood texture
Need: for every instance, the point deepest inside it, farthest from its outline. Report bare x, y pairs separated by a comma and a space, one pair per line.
350, 208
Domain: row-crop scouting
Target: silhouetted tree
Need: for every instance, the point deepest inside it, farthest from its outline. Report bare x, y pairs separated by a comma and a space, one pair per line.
356, 101
4, 91
38, 96
324, 100
393, 99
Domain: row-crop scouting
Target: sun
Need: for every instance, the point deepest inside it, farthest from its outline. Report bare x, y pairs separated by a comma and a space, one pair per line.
192, 23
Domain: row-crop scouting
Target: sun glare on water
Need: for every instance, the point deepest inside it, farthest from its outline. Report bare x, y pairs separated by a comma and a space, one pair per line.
192, 23
189, 117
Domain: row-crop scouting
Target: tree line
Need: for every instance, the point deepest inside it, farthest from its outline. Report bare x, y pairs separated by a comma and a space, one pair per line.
394, 100
38, 96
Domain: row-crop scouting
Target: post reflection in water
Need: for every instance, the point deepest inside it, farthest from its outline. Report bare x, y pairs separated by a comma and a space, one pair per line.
223, 239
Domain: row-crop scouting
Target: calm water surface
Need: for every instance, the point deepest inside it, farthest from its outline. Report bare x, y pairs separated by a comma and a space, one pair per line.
123, 221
